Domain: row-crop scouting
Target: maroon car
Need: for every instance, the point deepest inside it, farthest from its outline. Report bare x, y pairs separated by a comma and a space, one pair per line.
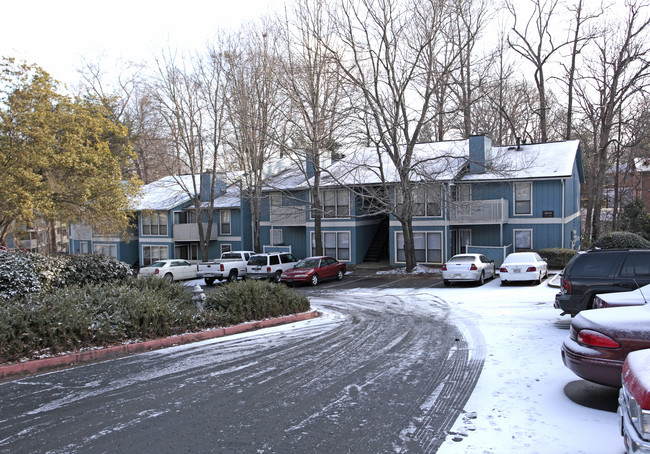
634, 402
312, 270
600, 340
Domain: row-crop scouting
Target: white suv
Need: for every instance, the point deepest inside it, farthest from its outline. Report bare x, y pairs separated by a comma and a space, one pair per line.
269, 266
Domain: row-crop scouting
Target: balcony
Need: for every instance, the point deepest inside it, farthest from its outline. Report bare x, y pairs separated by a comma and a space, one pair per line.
479, 212
190, 232
288, 215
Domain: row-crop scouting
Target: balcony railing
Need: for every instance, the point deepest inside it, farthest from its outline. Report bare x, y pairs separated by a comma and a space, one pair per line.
288, 215
479, 212
190, 232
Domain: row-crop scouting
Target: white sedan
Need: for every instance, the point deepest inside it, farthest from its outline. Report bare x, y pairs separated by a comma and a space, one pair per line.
468, 268
172, 270
523, 266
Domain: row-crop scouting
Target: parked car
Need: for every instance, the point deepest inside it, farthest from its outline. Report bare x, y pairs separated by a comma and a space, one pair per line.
312, 270
601, 271
634, 402
468, 268
269, 266
600, 340
173, 270
229, 267
523, 267
637, 297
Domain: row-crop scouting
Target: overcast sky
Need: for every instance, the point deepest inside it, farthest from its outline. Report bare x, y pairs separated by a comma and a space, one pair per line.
59, 34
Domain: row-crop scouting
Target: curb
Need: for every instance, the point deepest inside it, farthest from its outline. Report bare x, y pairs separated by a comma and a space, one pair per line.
87, 356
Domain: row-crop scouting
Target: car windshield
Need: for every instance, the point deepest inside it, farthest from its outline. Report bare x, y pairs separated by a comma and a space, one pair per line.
463, 259
257, 260
308, 263
231, 256
156, 265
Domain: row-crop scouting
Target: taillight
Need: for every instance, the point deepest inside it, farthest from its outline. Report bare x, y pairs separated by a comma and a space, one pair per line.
596, 339
221, 267
566, 286
157, 271
531, 269
503, 270
268, 269
473, 267
444, 267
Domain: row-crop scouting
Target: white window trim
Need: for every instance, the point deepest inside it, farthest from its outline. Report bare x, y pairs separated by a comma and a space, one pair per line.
166, 224
273, 243
225, 247
425, 232
166, 246
514, 199
221, 223
349, 194
111, 247
312, 237
514, 239
400, 200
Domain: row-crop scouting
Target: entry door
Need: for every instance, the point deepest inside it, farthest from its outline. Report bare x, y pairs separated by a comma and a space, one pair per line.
459, 240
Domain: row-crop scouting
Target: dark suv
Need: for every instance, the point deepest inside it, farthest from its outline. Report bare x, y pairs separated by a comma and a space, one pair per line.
601, 271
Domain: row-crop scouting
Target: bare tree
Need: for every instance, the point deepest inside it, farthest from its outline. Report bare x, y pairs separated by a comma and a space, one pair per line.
190, 95
535, 42
388, 53
254, 111
319, 113
618, 71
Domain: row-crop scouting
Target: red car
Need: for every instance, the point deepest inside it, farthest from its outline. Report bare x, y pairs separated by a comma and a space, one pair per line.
312, 270
600, 340
634, 402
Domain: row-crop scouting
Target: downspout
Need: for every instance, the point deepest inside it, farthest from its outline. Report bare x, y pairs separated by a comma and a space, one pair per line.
563, 209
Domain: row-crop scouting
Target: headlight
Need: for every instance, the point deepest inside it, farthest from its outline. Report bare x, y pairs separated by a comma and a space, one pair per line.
639, 417
299, 275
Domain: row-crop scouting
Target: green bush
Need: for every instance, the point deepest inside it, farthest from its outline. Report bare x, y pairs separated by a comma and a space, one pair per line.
557, 258
254, 300
621, 240
94, 268
94, 315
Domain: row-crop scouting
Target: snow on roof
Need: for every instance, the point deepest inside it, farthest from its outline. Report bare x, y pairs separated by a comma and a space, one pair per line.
446, 161
229, 199
164, 194
541, 160
642, 164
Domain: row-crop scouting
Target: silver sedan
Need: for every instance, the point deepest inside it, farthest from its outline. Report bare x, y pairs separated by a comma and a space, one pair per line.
468, 268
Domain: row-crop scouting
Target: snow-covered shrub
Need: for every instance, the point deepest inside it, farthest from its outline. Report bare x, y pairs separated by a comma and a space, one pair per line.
254, 300
621, 240
94, 268
22, 273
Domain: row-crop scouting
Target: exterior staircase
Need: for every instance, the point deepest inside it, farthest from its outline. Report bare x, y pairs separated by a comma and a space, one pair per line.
378, 249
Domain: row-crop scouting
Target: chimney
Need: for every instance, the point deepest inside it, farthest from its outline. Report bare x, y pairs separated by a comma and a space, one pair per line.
480, 153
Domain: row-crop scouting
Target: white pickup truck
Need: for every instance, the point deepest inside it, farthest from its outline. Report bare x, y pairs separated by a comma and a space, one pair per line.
229, 267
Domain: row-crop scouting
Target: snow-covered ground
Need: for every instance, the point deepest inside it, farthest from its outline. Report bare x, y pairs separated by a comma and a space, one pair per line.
519, 404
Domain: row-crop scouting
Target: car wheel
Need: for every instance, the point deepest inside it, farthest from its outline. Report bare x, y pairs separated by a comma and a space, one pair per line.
446, 282
339, 275
314, 279
504, 283
209, 280
169, 277
232, 277
481, 279
276, 278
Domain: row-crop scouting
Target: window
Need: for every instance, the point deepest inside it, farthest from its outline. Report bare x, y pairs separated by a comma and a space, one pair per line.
274, 259
185, 217
336, 203
335, 244
275, 199
523, 240
461, 193
85, 247
637, 265
186, 251
225, 222
276, 237
288, 258
426, 200
154, 223
523, 198
151, 254
227, 248
109, 250
428, 247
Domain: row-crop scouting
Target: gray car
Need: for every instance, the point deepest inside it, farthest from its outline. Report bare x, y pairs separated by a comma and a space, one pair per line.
468, 268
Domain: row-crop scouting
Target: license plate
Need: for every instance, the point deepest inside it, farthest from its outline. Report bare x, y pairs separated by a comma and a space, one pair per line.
517, 270
458, 276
